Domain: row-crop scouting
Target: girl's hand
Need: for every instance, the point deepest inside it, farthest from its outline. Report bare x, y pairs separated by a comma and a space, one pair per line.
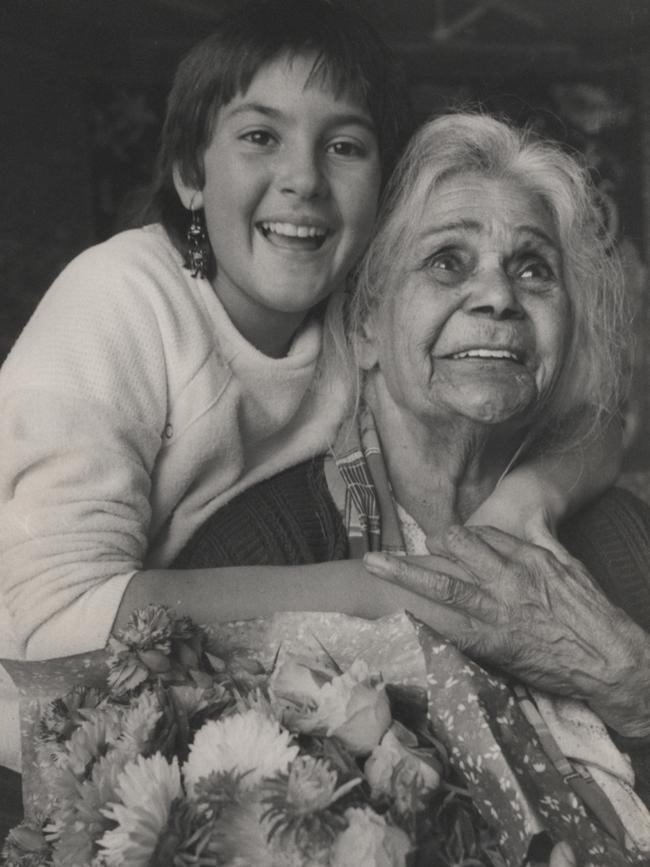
526, 508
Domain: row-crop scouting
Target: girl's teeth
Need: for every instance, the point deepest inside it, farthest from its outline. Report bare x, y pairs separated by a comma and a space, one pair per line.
292, 231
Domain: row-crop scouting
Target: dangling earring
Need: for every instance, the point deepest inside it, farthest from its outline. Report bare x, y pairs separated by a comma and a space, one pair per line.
198, 246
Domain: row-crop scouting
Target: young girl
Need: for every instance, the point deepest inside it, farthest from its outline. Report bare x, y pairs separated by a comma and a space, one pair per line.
174, 365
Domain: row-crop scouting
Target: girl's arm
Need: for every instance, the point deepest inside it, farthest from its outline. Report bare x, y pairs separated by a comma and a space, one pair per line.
537, 495
243, 592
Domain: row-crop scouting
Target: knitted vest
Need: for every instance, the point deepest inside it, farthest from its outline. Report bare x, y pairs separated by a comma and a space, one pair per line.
291, 519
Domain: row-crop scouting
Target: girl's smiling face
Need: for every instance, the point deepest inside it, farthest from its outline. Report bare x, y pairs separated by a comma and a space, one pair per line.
478, 325
292, 178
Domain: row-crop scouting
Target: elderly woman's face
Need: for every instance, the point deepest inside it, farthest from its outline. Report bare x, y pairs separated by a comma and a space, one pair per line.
479, 322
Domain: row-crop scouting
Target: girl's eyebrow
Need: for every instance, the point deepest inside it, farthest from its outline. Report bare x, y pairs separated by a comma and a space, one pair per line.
335, 119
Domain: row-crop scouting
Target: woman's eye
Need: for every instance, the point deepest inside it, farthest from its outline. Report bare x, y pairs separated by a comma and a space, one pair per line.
535, 269
258, 137
346, 148
448, 266
445, 262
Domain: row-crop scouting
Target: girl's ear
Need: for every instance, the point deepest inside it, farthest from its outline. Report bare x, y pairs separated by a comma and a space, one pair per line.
190, 196
365, 345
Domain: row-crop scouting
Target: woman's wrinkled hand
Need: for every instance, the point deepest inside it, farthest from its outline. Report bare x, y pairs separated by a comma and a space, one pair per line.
534, 616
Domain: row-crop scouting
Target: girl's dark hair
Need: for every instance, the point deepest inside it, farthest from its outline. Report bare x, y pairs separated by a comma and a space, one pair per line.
351, 58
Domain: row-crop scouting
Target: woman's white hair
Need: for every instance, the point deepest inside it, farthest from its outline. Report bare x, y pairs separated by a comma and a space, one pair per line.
588, 390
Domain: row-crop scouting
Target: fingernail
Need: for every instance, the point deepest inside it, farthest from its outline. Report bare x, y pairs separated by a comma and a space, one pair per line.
378, 564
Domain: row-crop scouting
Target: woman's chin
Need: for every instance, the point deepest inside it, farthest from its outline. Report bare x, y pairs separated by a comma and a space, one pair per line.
496, 405
488, 392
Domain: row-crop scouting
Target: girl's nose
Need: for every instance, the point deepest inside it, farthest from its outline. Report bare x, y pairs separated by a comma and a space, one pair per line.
302, 174
492, 294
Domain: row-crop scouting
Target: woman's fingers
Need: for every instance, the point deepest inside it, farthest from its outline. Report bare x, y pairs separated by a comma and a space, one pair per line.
437, 586
471, 549
551, 560
512, 546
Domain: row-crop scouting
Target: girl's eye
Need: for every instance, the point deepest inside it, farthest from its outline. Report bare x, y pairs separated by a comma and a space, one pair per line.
346, 148
259, 137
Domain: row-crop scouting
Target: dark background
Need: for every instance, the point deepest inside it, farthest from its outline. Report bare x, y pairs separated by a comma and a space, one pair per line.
83, 83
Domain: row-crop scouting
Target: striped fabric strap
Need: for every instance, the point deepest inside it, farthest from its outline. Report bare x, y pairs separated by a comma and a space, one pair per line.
365, 501
575, 776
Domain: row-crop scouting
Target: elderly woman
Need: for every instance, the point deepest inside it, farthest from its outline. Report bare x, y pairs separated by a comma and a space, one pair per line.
487, 325
488, 311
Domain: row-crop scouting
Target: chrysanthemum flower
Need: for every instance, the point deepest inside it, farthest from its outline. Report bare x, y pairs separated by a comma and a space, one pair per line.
146, 789
90, 741
249, 743
63, 715
26, 846
79, 822
312, 785
241, 839
297, 806
218, 791
138, 723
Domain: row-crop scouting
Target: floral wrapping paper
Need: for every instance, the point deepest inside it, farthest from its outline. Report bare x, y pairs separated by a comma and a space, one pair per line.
473, 713
503, 763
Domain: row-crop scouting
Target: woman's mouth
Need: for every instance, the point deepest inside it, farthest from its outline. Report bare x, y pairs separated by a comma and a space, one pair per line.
294, 236
496, 354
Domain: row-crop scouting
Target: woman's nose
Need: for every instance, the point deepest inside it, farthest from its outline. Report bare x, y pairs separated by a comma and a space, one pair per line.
301, 174
492, 294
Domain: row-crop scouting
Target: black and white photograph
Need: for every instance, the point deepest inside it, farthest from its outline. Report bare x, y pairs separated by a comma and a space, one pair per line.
324, 433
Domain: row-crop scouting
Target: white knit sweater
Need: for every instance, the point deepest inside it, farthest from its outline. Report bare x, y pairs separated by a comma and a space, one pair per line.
130, 409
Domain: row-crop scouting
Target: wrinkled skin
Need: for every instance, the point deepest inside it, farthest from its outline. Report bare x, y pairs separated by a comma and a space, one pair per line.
517, 606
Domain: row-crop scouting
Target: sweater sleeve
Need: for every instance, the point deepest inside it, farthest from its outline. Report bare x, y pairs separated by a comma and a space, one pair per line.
82, 407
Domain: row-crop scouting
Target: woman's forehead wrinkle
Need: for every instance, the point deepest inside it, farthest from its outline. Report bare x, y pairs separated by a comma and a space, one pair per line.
534, 237
463, 225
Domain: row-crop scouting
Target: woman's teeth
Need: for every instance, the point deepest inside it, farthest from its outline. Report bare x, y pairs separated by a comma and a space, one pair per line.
486, 353
290, 230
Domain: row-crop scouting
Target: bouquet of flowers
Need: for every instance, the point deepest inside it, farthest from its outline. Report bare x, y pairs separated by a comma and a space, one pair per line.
195, 758
258, 744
